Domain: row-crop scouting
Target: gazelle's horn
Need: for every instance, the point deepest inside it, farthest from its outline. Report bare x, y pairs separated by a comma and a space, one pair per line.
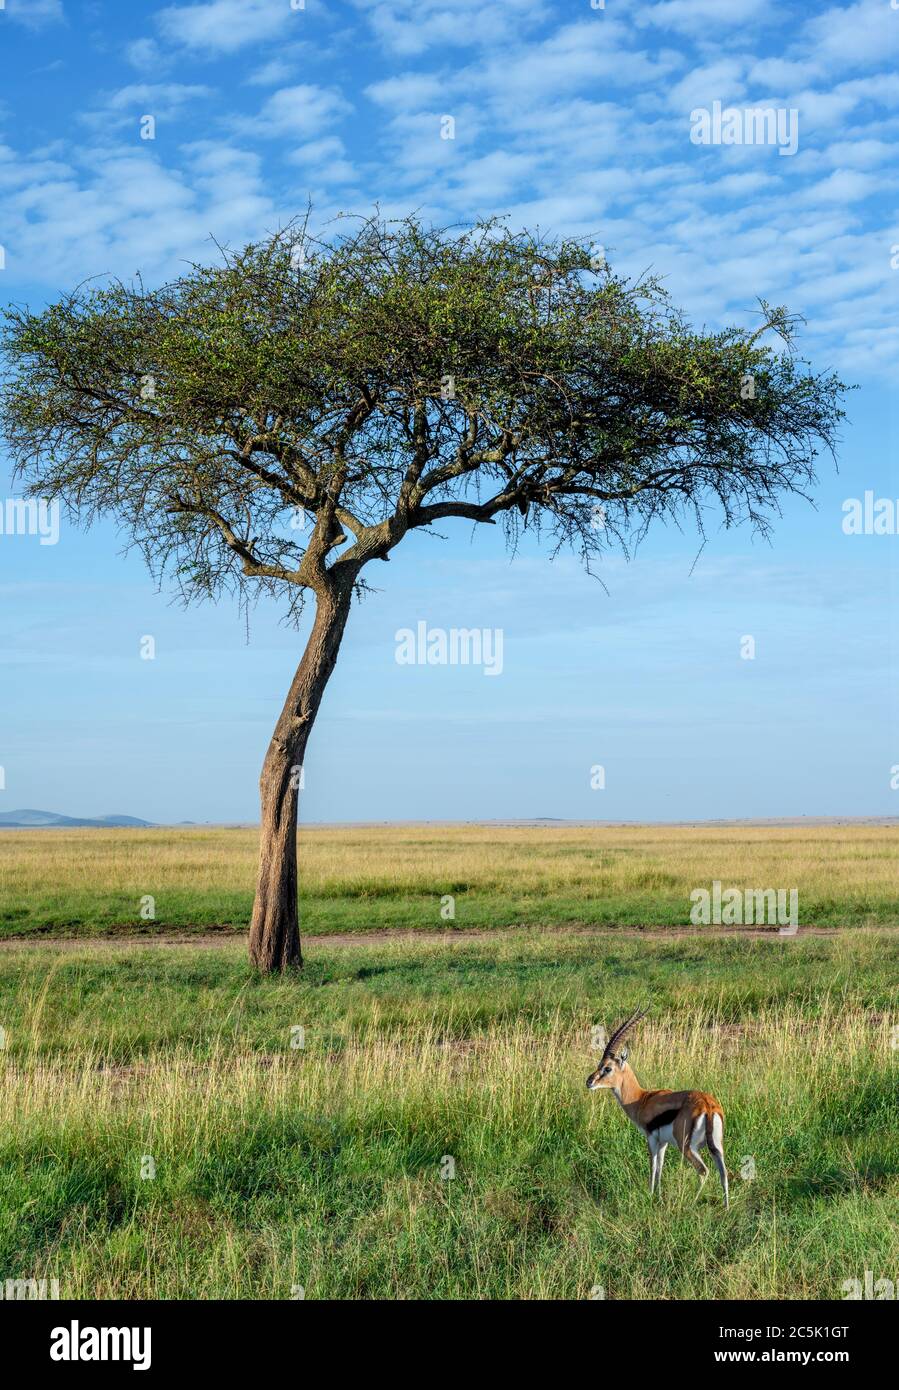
622, 1030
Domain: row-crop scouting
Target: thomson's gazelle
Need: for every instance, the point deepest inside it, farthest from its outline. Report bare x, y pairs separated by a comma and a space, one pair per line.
692, 1119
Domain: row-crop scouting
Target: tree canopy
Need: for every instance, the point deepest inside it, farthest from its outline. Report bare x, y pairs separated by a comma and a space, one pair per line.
277, 419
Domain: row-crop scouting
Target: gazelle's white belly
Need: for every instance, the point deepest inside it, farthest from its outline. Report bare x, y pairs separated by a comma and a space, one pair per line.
665, 1135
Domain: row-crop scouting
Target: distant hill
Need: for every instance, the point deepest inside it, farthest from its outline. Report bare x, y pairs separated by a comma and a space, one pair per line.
49, 820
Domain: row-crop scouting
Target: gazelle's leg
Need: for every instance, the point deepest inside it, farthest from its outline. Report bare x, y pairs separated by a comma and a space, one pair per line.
722, 1173
651, 1146
691, 1154
693, 1157
660, 1162
715, 1148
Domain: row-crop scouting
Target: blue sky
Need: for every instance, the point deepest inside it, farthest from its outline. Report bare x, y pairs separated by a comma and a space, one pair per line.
567, 118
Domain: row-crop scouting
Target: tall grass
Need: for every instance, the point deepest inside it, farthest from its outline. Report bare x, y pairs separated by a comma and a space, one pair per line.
327, 1166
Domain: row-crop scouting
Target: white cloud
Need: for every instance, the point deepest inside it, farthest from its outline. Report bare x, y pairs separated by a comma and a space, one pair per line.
739, 185
270, 74
820, 110
119, 212
781, 74
162, 100
146, 56
35, 14
169, 95
720, 81
411, 27
705, 18
295, 113
224, 26
852, 36
409, 91
843, 186
324, 160
862, 153
417, 150
594, 54
492, 178
883, 87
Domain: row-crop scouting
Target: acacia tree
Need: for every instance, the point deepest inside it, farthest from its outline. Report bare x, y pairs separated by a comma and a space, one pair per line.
378, 383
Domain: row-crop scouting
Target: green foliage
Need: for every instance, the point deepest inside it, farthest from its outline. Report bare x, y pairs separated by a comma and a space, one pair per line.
389, 378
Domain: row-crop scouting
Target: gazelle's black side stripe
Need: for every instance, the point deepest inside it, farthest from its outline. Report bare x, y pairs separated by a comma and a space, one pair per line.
665, 1118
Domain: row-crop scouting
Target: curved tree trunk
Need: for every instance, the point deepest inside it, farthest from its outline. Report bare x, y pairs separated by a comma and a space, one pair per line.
274, 930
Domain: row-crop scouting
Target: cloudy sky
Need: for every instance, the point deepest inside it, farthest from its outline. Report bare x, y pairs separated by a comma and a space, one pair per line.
564, 117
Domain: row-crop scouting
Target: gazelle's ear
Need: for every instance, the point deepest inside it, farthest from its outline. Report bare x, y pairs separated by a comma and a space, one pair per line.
622, 1056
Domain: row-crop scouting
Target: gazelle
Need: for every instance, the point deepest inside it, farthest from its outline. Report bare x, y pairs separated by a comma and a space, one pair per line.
691, 1119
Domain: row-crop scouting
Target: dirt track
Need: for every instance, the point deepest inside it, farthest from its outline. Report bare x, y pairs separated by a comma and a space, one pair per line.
211, 939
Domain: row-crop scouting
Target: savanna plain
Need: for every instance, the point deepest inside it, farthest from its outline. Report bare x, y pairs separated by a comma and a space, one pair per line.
407, 1117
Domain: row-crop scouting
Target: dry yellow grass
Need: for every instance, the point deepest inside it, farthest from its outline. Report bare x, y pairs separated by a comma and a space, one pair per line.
359, 877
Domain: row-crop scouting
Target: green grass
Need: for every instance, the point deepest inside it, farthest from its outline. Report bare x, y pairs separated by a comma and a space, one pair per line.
321, 1166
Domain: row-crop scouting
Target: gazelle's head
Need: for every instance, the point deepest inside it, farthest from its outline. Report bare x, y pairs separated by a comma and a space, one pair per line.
611, 1066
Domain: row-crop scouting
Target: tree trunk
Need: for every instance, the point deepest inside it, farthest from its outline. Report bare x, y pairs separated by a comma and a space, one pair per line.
275, 930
